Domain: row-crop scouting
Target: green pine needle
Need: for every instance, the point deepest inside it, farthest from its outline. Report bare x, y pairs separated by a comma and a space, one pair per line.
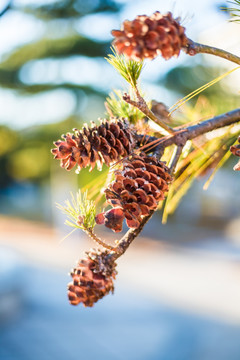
130, 70
120, 108
199, 161
79, 206
233, 11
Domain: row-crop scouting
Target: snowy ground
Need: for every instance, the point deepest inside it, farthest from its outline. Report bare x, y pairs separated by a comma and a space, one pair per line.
172, 301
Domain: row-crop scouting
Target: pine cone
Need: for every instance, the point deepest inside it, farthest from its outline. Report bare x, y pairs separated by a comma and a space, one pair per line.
139, 185
150, 36
92, 278
235, 149
106, 143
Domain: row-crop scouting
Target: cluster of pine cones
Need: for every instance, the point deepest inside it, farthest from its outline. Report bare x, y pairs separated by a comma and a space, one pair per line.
141, 181
150, 36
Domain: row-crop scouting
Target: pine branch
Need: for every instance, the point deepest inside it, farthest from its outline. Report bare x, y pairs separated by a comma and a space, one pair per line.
179, 138
143, 107
93, 236
194, 48
214, 123
128, 238
117, 107
184, 134
81, 214
130, 70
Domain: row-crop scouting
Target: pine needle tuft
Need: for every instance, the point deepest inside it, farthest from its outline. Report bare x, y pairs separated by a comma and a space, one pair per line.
130, 70
80, 211
117, 107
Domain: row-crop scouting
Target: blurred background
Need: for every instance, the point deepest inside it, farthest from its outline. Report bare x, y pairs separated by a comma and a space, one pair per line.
177, 292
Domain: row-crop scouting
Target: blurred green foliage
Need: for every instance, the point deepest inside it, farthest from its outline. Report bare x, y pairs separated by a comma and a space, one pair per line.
70, 9
25, 154
184, 79
8, 140
60, 40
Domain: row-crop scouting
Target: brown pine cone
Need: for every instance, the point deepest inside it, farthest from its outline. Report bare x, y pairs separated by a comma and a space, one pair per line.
150, 36
235, 149
139, 186
92, 278
106, 143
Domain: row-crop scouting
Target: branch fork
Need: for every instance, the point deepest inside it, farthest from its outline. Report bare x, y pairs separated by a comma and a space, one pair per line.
143, 107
